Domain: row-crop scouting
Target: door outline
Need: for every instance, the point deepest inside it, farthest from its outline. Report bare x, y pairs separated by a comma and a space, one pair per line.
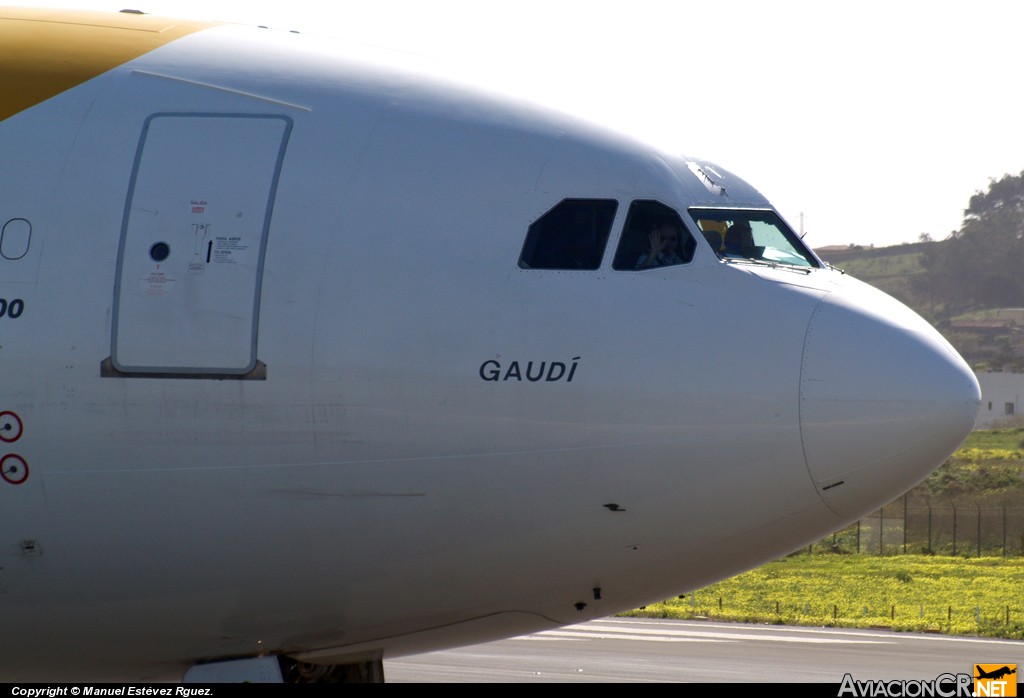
253, 368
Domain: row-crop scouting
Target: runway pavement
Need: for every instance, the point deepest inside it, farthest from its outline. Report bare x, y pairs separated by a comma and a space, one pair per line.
643, 650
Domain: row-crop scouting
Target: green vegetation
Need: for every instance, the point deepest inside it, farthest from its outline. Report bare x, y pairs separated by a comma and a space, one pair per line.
978, 266
977, 596
988, 467
1008, 439
884, 266
896, 270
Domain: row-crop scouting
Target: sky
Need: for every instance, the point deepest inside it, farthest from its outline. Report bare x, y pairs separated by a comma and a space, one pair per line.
864, 122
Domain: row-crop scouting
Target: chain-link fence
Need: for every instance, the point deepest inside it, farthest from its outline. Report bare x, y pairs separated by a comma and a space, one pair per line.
967, 530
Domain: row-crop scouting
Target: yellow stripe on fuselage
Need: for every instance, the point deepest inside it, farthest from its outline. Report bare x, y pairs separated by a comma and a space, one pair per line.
45, 52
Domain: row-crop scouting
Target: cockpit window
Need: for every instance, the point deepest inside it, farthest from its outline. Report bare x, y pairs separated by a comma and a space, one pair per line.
572, 235
654, 236
752, 235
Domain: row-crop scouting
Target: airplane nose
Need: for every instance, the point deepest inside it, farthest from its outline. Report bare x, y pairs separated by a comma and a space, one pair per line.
884, 399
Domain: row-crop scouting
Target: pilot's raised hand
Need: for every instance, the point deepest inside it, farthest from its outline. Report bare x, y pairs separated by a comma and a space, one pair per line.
656, 242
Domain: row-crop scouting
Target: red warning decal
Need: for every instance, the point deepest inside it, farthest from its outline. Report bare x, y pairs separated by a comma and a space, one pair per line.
13, 469
10, 427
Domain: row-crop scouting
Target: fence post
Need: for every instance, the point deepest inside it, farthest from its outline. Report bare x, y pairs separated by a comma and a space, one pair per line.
930, 528
904, 523
858, 536
954, 530
978, 504
881, 531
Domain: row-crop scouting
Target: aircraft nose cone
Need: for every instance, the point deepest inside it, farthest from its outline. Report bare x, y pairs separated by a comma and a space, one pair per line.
884, 400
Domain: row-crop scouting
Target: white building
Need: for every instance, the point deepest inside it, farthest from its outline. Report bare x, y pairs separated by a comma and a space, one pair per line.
1001, 399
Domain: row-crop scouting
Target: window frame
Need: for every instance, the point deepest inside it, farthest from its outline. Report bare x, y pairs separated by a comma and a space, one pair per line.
750, 214
633, 241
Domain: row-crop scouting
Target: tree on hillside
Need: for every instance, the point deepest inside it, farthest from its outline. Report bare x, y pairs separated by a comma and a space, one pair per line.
981, 264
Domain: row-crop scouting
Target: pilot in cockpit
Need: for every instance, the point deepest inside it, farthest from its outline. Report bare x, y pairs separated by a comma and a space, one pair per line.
739, 241
663, 249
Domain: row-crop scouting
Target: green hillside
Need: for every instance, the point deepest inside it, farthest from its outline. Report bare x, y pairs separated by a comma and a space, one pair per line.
897, 270
986, 336
970, 285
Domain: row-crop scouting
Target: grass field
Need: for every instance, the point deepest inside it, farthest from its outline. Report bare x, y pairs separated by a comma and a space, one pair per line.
869, 268
957, 596
1006, 439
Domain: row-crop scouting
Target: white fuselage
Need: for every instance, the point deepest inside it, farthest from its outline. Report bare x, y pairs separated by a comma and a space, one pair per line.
364, 428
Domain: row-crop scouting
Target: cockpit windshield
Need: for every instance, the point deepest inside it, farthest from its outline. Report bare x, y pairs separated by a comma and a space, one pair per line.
757, 235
